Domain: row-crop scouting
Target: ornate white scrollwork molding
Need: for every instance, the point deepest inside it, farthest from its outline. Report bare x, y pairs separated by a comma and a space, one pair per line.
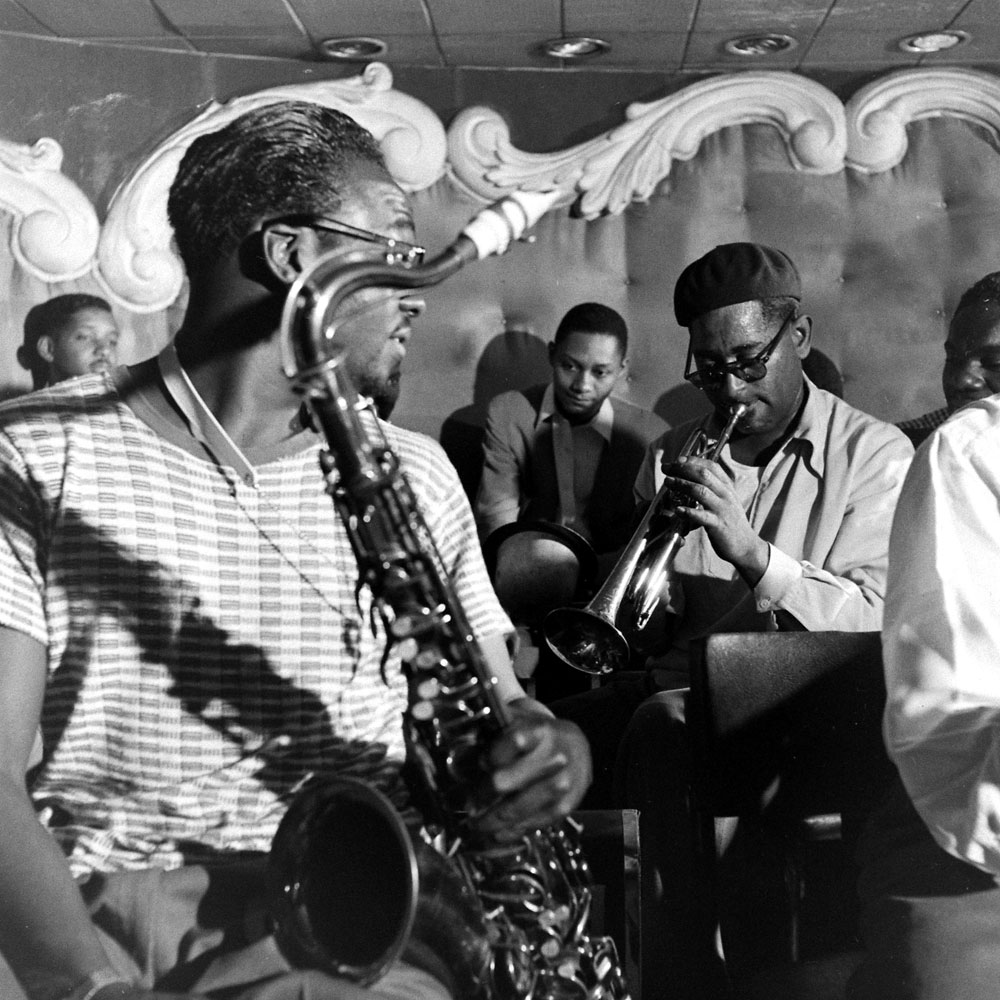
55, 231
56, 234
877, 115
136, 264
626, 163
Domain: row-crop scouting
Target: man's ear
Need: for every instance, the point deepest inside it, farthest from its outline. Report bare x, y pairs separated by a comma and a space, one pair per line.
279, 250
802, 334
46, 347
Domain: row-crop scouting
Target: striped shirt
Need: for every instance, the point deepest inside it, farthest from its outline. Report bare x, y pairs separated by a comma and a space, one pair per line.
209, 648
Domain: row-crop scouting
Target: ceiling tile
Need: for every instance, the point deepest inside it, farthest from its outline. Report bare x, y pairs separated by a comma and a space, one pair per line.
645, 35
323, 19
226, 18
511, 17
746, 16
584, 17
98, 18
13, 17
833, 48
892, 15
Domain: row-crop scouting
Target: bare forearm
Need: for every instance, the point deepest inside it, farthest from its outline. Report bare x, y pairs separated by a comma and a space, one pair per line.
45, 931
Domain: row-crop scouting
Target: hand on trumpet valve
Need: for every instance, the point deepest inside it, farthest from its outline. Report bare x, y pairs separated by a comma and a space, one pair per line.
708, 500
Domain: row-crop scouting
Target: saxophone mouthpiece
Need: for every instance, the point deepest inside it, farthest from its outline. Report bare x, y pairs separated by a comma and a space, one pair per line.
500, 224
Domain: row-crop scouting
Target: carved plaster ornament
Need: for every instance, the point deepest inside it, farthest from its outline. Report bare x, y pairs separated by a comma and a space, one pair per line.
877, 115
55, 233
136, 263
55, 229
625, 164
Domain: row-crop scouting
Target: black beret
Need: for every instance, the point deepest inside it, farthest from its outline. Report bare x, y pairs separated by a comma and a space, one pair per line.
731, 273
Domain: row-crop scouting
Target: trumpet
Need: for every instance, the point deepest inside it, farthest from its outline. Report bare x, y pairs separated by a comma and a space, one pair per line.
589, 638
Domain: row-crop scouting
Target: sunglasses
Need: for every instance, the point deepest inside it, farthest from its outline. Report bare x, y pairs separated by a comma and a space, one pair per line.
750, 370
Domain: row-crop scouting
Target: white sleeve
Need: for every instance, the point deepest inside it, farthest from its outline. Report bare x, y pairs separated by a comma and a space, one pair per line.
941, 638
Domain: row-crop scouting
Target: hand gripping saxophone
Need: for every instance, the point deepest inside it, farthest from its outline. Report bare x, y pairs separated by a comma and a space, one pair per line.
352, 885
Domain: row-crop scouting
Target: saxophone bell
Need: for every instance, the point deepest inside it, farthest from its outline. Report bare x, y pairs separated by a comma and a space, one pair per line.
352, 888
593, 638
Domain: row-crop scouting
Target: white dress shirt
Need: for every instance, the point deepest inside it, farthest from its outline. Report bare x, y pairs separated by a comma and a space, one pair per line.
941, 639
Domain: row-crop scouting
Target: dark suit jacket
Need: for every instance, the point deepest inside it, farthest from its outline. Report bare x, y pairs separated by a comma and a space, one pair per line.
519, 471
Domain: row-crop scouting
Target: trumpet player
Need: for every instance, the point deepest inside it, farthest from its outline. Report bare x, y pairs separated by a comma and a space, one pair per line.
182, 610
789, 530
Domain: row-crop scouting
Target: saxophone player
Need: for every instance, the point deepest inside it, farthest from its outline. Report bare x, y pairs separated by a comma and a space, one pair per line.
790, 531
181, 612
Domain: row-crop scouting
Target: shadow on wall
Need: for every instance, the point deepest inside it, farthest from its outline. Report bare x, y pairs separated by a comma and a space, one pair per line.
514, 360
681, 403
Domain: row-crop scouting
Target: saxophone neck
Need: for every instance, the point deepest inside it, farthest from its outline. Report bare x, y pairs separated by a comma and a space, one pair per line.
308, 321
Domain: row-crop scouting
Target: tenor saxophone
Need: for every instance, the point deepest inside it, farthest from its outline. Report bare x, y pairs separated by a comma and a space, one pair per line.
508, 919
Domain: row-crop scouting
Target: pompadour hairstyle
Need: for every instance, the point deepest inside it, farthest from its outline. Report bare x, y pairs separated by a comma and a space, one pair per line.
593, 317
286, 158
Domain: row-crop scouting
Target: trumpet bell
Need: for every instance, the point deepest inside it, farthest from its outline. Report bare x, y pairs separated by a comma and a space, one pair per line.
586, 641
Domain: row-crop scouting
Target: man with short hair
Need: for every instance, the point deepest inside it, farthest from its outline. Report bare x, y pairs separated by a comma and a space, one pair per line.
66, 336
567, 451
789, 530
182, 610
971, 357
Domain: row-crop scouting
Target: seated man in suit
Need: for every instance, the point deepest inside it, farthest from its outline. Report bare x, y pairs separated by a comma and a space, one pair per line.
789, 529
931, 854
566, 451
971, 357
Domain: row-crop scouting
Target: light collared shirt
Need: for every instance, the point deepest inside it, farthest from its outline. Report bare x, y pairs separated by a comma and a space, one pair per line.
210, 648
941, 641
823, 503
577, 449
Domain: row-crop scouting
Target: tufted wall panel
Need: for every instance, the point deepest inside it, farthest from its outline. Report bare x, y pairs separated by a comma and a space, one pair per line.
883, 257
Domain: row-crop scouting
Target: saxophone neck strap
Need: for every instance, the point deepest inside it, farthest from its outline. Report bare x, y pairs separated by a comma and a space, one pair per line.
201, 421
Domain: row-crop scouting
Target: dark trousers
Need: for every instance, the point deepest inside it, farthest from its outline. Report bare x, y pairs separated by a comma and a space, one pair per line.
930, 922
642, 761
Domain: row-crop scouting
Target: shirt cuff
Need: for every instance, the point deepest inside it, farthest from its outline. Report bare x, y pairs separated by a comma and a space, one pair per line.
781, 574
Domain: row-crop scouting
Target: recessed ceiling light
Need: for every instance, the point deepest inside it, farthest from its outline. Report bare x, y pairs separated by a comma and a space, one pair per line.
933, 41
577, 47
353, 49
769, 44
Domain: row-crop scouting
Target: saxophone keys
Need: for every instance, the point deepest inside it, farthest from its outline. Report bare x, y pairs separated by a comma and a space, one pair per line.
428, 659
550, 949
567, 969
408, 649
428, 689
422, 711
